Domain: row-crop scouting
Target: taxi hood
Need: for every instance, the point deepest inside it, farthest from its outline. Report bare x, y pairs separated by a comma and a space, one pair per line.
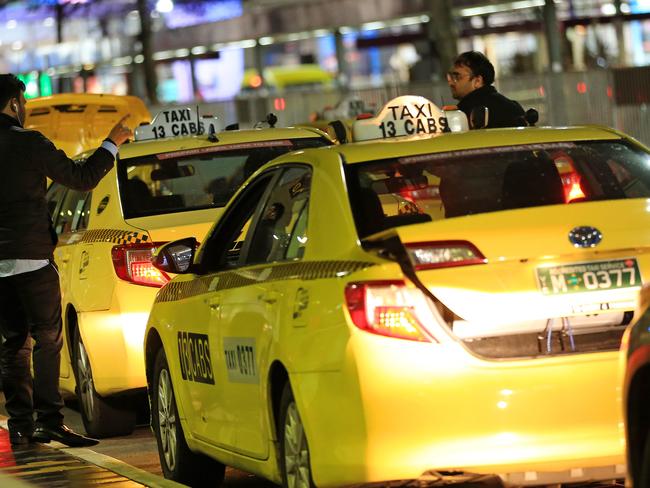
173, 226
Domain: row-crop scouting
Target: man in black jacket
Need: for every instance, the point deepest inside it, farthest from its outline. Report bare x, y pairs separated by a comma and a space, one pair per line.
470, 82
30, 296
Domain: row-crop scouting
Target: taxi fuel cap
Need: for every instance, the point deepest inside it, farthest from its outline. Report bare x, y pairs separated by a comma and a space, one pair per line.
409, 115
178, 122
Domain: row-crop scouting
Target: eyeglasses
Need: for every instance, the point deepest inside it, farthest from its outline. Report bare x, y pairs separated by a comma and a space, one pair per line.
456, 76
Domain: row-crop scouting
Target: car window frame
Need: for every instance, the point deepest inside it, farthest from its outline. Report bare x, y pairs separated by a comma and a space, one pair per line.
223, 233
74, 225
55, 187
244, 256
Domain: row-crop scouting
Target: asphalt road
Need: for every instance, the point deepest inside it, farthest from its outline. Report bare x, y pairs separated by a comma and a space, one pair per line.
139, 450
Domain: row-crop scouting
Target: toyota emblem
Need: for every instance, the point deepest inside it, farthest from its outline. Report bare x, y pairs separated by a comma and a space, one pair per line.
585, 236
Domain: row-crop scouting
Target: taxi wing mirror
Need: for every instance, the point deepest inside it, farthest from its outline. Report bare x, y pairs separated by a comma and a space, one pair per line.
479, 117
177, 256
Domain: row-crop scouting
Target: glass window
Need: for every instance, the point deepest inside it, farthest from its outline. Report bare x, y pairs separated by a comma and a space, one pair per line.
226, 243
85, 214
427, 187
283, 222
70, 211
195, 179
54, 195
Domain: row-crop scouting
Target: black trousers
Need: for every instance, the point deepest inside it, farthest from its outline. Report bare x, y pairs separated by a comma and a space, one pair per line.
30, 308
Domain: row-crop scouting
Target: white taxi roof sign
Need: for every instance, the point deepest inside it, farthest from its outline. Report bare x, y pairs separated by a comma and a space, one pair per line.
407, 115
176, 122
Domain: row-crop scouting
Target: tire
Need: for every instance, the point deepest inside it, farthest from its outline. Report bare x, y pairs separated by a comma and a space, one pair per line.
102, 417
294, 450
178, 462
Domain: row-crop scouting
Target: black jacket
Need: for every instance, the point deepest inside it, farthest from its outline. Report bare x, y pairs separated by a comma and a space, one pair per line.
27, 158
502, 112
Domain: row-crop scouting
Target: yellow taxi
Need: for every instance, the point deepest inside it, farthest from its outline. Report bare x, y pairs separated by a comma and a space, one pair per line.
287, 77
323, 335
172, 182
76, 122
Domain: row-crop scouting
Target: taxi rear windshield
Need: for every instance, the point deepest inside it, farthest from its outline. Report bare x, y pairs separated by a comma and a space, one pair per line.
195, 179
429, 187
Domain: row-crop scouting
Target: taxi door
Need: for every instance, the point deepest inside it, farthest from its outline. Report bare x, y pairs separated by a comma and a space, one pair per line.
249, 313
70, 222
222, 264
193, 350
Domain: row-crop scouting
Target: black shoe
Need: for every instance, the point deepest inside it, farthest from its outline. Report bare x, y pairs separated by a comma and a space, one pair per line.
17, 438
62, 434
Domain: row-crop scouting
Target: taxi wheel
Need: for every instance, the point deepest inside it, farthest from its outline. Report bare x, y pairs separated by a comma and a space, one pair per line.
178, 462
294, 451
102, 417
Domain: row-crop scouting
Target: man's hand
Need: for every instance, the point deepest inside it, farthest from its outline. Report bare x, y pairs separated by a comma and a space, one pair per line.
120, 133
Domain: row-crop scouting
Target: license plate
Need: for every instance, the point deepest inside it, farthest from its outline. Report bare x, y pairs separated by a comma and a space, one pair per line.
589, 276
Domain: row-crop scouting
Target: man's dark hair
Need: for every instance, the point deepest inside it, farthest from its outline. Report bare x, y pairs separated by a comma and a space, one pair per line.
478, 64
10, 87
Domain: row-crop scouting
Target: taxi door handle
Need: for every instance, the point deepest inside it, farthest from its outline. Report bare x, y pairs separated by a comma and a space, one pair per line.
213, 304
64, 259
270, 297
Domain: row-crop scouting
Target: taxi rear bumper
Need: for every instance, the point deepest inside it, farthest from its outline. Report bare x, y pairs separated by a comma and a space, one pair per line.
398, 409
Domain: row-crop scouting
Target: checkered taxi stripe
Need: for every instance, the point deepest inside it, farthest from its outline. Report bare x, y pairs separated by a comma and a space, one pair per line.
115, 236
308, 270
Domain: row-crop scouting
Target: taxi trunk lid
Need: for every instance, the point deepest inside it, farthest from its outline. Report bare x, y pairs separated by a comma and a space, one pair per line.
535, 292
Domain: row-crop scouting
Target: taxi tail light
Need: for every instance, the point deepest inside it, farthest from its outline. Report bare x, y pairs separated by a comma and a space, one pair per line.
443, 254
572, 188
389, 308
132, 262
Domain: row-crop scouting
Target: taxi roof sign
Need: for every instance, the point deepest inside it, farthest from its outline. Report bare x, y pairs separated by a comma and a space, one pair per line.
176, 122
408, 115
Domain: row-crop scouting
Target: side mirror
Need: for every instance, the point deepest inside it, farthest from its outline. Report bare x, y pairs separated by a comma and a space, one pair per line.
479, 118
177, 256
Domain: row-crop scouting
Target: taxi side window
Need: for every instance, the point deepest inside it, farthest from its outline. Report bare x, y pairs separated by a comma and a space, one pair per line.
280, 232
225, 244
54, 196
70, 212
85, 214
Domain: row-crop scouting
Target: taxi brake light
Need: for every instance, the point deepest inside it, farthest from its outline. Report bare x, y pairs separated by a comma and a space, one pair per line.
132, 262
443, 254
388, 308
575, 192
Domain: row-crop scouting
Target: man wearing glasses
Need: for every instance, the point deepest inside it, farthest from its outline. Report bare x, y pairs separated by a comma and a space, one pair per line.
470, 82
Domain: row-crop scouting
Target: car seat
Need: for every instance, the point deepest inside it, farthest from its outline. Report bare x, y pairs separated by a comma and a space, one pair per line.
532, 182
138, 194
369, 212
